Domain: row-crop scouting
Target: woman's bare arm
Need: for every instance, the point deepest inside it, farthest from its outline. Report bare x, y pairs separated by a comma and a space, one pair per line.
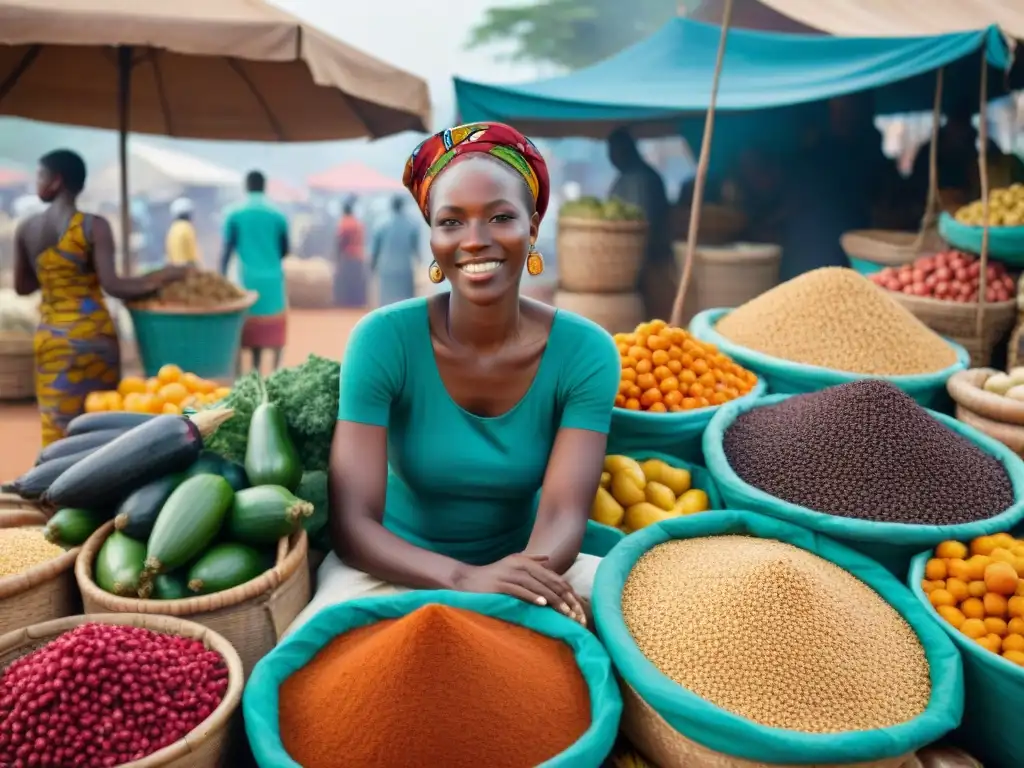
570, 482
119, 287
357, 488
26, 281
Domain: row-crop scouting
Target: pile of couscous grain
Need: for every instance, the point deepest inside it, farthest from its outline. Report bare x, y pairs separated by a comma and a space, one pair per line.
775, 634
835, 318
24, 548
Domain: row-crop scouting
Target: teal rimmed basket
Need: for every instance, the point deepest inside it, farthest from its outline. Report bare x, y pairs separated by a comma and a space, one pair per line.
203, 341
673, 726
260, 701
892, 544
1004, 243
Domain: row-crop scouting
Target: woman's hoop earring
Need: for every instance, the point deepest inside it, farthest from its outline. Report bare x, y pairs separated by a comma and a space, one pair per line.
435, 273
534, 262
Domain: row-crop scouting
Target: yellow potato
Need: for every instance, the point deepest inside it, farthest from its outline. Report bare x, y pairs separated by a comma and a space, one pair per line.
606, 510
676, 480
606, 480
643, 514
693, 501
660, 496
625, 489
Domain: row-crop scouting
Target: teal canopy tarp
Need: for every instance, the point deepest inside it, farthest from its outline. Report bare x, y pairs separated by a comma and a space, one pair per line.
668, 76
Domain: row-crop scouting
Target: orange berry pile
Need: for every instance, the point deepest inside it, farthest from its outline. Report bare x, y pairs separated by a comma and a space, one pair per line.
665, 369
980, 590
170, 391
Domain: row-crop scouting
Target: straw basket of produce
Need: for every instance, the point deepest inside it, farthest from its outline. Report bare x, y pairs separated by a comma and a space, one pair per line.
127, 667
249, 593
600, 246
679, 604
612, 311
719, 224
13, 504
992, 402
37, 579
964, 230
17, 366
870, 250
195, 323
730, 275
942, 292
309, 282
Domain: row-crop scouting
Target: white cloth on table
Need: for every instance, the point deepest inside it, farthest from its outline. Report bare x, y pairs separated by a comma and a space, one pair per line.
339, 583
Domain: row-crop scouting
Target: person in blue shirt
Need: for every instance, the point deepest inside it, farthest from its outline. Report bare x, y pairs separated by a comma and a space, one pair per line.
395, 251
258, 233
472, 424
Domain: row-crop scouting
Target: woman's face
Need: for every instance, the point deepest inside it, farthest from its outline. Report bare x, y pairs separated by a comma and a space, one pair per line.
48, 184
482, 222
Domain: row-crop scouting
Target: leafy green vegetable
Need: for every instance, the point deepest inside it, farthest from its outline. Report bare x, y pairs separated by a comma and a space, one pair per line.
308, 395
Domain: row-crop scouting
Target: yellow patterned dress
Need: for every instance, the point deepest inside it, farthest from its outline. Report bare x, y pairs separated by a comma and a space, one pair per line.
76, 345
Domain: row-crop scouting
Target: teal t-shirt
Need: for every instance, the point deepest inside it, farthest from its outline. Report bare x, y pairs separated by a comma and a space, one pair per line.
459, 484
257, 229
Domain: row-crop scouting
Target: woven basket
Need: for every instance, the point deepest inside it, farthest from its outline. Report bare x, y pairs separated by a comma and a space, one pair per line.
309, 283
12, 504
597, 256
660, 743
17, 366
998, 417
615, 312
732, 275
42, 593
960, 322
719, 224
889, 248
252, 616
208, 745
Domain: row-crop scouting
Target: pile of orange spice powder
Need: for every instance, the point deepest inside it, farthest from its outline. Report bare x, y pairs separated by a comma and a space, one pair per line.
440, 686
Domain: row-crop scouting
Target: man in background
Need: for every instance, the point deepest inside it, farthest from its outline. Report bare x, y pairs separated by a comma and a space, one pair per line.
181, 244
258, 233
350, 267
396, 246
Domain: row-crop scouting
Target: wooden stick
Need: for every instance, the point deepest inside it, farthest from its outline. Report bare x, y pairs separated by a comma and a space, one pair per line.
983, 174
933, 203
702, 171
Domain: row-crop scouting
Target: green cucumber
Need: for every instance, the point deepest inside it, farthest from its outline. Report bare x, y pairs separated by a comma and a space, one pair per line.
170, 586
270, 455
210, 463
262, 515
313, 488
225, 566
71, 527
188, 522
119, 565
137, 514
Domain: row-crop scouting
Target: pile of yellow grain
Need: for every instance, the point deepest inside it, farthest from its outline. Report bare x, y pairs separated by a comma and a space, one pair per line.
775, 634
835, 318
24, 548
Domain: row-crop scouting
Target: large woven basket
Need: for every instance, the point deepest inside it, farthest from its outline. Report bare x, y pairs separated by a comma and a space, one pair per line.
42, 593
960, 322
615, 312
719, 224
663, 745
12, 504
17, 366
998, 417
731, 275
252, 616
209, 744
597, 256
889, 248
309, 282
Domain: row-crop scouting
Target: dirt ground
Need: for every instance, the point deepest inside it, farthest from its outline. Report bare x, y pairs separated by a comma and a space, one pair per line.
323, 332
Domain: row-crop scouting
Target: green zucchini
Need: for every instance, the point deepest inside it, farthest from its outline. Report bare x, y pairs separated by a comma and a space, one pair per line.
210, 463
270, 455
119, 565
170, 586
313, 488
188, 522
262, 515
71, 527
225, 566
137, 514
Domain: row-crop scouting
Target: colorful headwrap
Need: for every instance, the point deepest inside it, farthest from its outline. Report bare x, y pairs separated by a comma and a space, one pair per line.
496, 139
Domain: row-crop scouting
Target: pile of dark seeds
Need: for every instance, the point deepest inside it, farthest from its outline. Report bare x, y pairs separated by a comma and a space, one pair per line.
866, 450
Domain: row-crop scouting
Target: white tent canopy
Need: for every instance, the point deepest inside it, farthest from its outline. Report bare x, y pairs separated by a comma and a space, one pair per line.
160, 174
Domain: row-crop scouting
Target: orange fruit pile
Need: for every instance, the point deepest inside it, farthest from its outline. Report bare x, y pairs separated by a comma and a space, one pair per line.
170, 391
979, 589
665, 369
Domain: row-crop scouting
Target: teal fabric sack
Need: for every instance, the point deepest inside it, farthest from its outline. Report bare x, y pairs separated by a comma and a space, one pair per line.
784, 377
260, 700
891, 544
993, 690
727, 733
675, 434
1004, 243
599, 539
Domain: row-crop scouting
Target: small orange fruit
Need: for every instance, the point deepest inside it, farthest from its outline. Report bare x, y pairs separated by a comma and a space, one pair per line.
1001, 578
169, 373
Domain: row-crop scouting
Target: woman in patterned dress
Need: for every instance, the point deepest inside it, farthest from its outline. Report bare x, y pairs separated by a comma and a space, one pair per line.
68, 256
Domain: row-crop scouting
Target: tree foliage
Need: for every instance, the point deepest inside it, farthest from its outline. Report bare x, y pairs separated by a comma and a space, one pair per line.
571, 33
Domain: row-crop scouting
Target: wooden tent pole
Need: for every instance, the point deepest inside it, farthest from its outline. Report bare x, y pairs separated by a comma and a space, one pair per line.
124, 100
933, 204
702, 171
983, 177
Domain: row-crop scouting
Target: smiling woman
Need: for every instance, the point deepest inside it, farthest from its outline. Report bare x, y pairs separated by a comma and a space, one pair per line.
472, 424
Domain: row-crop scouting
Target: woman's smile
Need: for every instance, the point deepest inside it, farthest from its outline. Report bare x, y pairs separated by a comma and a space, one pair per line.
479, 271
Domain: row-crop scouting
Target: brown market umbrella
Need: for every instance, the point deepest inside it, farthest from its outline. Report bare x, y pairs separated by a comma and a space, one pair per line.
206, 69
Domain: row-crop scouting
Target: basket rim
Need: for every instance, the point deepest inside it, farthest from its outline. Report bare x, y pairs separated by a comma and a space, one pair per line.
38, 574
169, 625
965, 387
623, 226
1010, 305
230, 308
291, 553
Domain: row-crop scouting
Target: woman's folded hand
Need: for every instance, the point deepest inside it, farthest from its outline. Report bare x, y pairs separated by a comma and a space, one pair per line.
527, 578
